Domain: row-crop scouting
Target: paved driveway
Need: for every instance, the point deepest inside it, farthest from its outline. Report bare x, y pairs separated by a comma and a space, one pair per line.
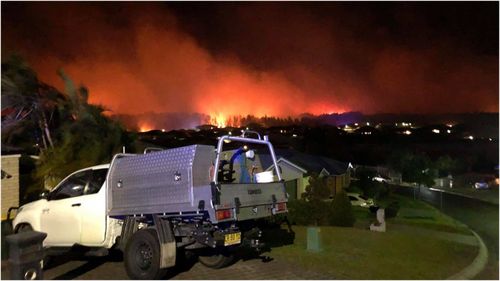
111, 268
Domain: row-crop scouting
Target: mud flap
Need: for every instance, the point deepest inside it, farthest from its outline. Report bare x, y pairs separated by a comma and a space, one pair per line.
168, 251
166, 237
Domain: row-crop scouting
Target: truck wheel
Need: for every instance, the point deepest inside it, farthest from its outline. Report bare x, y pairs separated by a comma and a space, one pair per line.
24, 228
214, 258
142, 256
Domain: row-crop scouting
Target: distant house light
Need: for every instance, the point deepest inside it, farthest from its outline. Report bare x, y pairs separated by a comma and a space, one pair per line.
471, 137
449, 125
407, 132
163, 130
294, 135
355, 124
436, 131
367, 123
448, 131
490, 139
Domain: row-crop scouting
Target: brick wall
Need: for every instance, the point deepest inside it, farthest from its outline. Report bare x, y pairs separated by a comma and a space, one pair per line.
10, 182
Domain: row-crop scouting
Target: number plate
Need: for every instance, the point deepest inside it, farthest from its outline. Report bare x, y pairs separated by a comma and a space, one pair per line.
232, 238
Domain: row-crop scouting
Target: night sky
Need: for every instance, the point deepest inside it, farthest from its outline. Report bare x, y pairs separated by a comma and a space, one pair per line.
274, 59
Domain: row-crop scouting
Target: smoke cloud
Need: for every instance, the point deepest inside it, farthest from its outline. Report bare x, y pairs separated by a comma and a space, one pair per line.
269, 59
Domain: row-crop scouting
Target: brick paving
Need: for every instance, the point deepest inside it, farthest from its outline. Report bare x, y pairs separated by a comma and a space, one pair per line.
251, 269
256, 268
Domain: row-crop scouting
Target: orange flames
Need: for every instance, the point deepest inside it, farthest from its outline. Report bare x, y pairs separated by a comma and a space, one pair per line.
222, 120
145, 127
218, 120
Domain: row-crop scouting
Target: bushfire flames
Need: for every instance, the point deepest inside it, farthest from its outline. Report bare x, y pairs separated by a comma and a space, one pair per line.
221, 120
145, 127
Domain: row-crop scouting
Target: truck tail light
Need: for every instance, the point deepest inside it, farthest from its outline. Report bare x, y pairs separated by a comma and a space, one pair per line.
224, 214
281, 206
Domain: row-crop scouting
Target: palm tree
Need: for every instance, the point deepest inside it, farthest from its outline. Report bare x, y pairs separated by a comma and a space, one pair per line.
26, 99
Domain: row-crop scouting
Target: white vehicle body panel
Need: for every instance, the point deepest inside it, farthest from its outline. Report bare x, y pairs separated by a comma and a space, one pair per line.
61, 222
75, 220
93, 222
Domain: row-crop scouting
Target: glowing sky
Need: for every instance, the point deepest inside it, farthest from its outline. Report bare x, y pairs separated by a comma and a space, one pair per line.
265, 58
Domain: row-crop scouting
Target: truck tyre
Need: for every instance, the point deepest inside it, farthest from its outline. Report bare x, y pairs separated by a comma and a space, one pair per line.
24, 228
216, 259
142, 256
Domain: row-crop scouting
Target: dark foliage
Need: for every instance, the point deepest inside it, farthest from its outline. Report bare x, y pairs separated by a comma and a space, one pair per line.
392, 209
304, 212
341, 211
317, 189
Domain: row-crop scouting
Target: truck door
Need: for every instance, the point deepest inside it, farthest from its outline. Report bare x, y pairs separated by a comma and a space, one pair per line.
61, 218
94, 209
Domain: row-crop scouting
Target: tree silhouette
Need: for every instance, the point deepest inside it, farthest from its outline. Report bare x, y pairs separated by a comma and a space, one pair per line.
88, 138
73, 133
317, 189
27, 103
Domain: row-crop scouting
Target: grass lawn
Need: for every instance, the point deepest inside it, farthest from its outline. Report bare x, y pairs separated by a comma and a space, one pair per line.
414, 213
352, 253
403, 252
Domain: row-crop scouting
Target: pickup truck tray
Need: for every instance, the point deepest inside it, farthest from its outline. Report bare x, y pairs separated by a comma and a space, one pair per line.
160, 182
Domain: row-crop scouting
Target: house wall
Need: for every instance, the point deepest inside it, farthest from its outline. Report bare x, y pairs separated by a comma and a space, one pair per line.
10, 185
288, 172
291, 173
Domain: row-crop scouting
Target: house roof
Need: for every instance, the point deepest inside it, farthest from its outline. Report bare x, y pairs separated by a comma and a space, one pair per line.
310, 163
289, 163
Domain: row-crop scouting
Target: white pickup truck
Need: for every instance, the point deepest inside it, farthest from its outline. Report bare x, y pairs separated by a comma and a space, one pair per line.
198, 198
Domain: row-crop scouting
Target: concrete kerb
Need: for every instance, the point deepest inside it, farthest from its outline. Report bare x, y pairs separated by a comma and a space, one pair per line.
477, 265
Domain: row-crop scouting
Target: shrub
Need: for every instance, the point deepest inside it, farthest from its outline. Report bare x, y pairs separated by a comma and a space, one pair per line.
354, 188
302, 212
317, 189
297, 211
391, 211
341, 212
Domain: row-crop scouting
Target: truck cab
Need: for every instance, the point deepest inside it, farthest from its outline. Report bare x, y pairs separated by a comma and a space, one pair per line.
71, 213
